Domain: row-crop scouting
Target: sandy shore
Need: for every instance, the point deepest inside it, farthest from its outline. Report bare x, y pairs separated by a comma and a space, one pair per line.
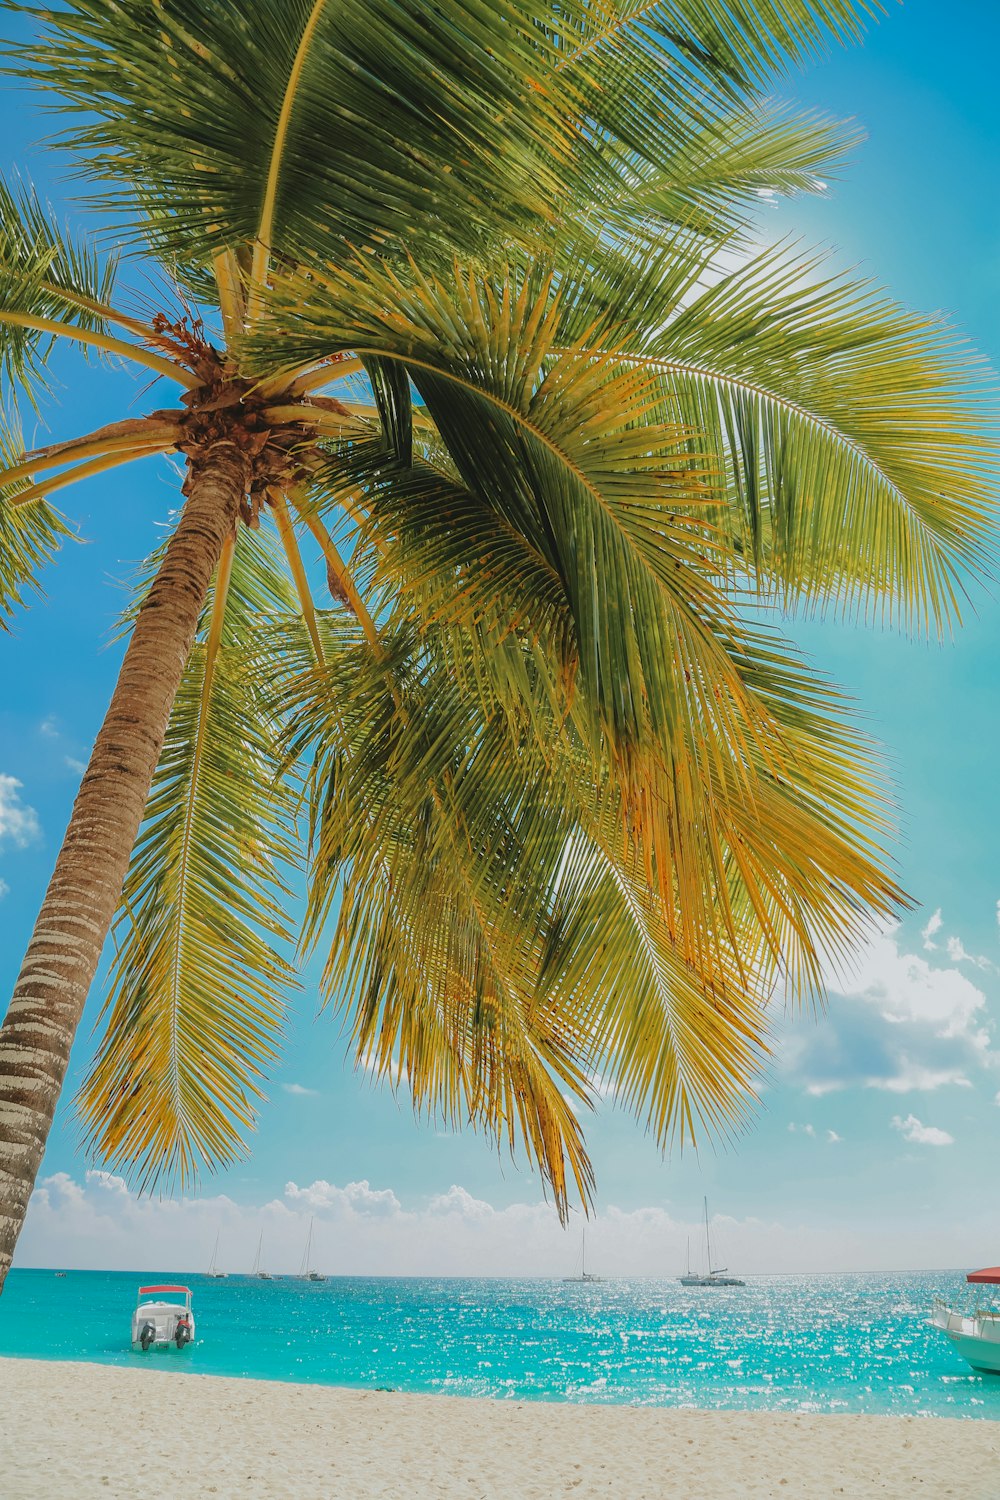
95, 1430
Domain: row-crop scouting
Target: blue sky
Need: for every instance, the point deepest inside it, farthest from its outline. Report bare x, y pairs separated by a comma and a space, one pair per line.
892, 1096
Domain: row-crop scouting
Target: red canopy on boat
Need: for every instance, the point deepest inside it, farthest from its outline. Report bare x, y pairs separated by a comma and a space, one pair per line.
990, 1275
145, 1290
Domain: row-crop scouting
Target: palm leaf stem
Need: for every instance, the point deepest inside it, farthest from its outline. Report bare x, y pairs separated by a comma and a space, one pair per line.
87, 470
289, 542
106, 440
231, 299
301, 379
314, 416
98, 465
345, 581
262, 244
106, 342
101, 309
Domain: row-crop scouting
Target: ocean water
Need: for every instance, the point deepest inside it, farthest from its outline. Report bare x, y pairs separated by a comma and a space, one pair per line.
789, 1343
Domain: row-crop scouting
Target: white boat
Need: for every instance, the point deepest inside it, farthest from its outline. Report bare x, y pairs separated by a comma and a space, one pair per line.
712, 1275
260, 1274
213, 1269
307, 1273
162, 1318
584, 1275
975, 1333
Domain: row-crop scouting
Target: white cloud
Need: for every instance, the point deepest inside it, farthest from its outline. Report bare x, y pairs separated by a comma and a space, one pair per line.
933, 926
802, 1129
898, 1022
79, 766
959, 954
300, 1090
98, 1223
922, 1135
457, 1201
18, 822
912, 1077
356, 1198
4, 889
833, 1137
49, 728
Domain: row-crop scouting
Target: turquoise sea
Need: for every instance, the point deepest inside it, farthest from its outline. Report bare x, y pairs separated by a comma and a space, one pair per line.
799, 1343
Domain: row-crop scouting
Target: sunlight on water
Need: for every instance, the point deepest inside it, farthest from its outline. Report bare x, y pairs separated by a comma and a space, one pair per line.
809, 1343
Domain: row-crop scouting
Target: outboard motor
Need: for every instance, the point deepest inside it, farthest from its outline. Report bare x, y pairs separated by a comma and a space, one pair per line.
182, 1334
147, 1335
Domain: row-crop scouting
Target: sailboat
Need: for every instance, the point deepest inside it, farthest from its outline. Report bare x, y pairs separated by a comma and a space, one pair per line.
307, 1273
584, 1275
213, 1270
260, 1274
710, 1276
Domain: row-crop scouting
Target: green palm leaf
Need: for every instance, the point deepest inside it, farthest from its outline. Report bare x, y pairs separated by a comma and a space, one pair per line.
195, 1004
30, 534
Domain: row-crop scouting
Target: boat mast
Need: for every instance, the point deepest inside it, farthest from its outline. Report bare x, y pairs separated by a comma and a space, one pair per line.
708, 1240
256, 1259
583, 1255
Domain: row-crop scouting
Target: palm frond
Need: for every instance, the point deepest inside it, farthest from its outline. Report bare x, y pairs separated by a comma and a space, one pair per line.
852, 434
30, 534
196, 999
47, 274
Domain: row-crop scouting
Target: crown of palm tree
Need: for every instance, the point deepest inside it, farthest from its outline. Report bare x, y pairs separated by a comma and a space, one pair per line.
471, 288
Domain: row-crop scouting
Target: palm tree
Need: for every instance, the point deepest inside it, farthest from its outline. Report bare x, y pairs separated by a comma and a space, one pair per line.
465, 297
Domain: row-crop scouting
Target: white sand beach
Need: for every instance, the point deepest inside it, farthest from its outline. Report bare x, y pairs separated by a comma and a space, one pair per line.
78, 1430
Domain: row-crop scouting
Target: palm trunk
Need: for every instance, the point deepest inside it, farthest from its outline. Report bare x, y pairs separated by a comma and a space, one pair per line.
83, 894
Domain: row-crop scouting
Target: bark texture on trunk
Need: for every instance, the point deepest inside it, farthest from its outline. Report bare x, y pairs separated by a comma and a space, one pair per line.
83, 894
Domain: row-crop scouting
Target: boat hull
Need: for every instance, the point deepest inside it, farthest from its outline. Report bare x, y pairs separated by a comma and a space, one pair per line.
981, 1354
711, 1281
976, 1338
154, 1326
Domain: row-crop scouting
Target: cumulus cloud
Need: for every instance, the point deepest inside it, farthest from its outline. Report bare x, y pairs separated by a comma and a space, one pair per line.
833, 1137
899, 1023
922, 1135
4, 889
356, 1198
99, 1223
801, 1129
18, 822
49, 728
299, 1090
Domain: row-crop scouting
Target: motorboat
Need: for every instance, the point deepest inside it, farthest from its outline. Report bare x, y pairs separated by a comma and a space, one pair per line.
162, 1318
975, 1333
712, 1275
585, 1275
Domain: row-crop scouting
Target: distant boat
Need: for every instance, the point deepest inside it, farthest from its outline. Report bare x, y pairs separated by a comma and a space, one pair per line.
260, 1274
712, 1275
307, 1273
976, 1332
584, 1275
213, 1270
162, 1317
